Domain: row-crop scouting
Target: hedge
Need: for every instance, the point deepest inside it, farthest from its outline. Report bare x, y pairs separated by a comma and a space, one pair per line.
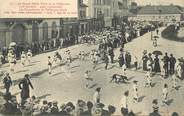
171, 33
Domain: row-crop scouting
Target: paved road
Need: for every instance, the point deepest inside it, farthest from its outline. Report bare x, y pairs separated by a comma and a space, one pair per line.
69, 85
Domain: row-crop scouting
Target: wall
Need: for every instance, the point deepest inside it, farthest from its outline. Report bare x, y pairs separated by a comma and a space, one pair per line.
163, 17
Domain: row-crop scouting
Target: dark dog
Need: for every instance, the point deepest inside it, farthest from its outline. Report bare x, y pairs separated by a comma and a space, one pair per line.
119, 78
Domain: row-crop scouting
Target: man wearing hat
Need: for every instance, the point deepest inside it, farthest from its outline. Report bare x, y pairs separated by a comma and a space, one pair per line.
55, 109
7, 82
24, 86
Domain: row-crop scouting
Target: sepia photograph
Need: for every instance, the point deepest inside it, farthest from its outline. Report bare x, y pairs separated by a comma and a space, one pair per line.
92, 58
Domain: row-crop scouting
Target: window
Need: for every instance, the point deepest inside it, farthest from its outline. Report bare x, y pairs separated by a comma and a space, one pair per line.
95, 12
107, 12
100, 2
104, 2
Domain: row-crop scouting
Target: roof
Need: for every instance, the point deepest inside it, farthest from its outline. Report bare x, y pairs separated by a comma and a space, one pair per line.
171, 9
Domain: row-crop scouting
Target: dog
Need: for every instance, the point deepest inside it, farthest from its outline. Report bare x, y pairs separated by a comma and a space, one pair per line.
117, 78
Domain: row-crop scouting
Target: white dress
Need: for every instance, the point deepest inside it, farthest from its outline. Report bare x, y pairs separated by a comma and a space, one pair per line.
124, 101
23, 58
96, 97
29, 55
135, 90
148, 77
174, 80
165, 93
178, 70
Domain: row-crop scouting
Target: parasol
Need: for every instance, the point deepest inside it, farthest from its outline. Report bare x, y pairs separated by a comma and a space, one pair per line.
157, 52
155, 36
181, 59
12, 44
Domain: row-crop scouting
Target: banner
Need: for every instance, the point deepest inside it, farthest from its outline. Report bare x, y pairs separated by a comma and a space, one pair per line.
38, 8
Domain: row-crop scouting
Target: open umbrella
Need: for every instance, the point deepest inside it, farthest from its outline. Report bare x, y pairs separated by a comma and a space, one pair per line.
155, 36
12, 44
157, 52
181, 59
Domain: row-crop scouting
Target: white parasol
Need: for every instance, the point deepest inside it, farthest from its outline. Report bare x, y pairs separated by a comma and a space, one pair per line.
12, 44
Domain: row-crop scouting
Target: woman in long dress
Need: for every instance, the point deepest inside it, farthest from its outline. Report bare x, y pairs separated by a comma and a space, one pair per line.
156, 64
145, 59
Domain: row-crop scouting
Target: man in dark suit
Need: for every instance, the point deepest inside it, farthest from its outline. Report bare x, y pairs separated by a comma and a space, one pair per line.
24, 86
7, 82
166, 63
172, 63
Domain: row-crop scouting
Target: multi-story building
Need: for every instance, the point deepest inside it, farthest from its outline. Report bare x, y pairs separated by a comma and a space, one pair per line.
109, 9
82, 17
27, 31
166, 14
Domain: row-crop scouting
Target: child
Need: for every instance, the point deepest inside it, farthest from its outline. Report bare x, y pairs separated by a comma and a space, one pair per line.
49, 65
165, 93
68, 59
148, 78
29, 55
12, 61
136, 62
95, 59
174, 81
135, 90
87, 76
124, 70
82, 55
162, 73
23, 58
155, 42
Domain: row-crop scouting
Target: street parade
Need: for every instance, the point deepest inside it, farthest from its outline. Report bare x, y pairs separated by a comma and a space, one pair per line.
107, 52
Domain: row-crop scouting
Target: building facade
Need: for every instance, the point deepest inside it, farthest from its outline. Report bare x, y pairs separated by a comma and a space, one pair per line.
27, 31
164, 14
111, 10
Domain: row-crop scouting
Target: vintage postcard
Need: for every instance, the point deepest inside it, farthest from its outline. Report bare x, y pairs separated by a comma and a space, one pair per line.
91, 58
